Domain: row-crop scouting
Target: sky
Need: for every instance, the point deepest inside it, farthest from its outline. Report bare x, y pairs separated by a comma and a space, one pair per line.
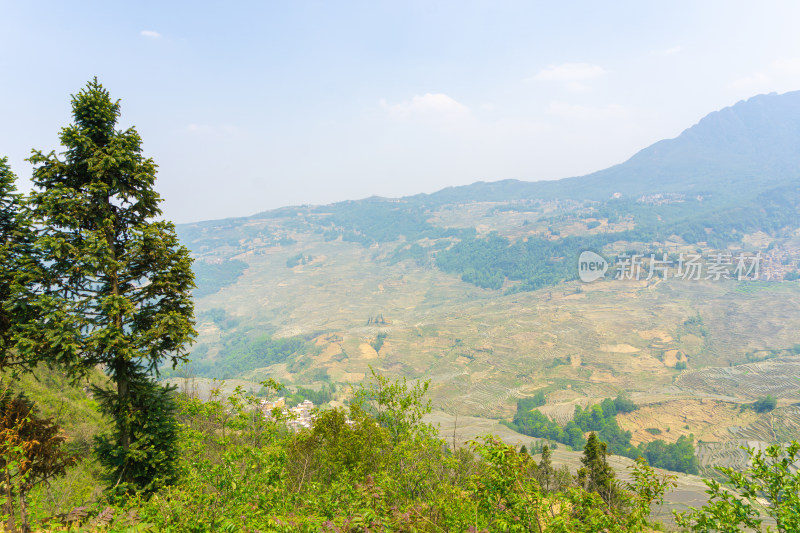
250, 106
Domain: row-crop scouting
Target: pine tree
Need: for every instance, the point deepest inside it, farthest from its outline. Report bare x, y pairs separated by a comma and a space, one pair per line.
546, 472
14, 237
114, 284
8, 209
596, 475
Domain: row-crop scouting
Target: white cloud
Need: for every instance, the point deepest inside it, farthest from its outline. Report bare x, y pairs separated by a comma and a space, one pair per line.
577, 87
570, 72
150, 34
780, 74
429, 104
672, 51
790, 66
752, 82
579, 112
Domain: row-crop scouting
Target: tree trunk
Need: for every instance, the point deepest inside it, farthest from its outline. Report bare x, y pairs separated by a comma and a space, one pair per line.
123, 379
23, 511
123, 394
8, 507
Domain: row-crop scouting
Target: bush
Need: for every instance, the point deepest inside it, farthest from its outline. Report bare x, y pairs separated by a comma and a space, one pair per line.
764, 404
770, 478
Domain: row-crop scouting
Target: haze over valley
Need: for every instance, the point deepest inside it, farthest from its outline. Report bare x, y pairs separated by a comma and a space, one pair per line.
476, 289
429, 267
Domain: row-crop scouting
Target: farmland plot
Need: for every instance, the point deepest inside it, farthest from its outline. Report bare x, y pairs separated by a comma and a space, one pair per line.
777, 377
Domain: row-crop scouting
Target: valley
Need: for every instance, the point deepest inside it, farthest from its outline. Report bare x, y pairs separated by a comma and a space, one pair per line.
475, 289
483, 350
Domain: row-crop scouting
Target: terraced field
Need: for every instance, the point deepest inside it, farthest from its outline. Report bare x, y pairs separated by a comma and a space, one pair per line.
780, 425
777, 377
483, 350
729, 453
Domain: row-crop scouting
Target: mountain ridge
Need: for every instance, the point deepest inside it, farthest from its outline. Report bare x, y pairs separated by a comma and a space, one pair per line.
749, 139
658, 161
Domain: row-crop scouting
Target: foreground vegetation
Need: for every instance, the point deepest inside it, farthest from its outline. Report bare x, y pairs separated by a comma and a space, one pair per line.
377, 467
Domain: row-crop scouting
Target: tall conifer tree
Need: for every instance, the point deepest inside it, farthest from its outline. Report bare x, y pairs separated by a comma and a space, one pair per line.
14, 236
114, 284
8, 209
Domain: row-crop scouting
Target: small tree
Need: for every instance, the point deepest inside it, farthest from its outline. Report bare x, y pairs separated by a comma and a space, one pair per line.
113, 284
31, 452
506, 493
337, 449
587, 512
148, 462
545, 473
596, 475
393, 405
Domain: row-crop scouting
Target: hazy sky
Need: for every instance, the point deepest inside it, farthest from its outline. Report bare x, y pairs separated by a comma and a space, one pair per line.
248, 106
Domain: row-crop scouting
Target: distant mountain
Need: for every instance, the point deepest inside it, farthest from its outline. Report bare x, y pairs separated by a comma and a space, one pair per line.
735, 172
749, 147
476, 289
741, 150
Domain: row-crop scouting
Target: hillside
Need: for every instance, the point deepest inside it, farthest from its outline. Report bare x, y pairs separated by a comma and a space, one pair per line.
71, 406
746, 148
475, 288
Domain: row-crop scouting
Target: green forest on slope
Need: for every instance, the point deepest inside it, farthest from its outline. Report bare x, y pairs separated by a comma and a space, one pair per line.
532, 263
601, 418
